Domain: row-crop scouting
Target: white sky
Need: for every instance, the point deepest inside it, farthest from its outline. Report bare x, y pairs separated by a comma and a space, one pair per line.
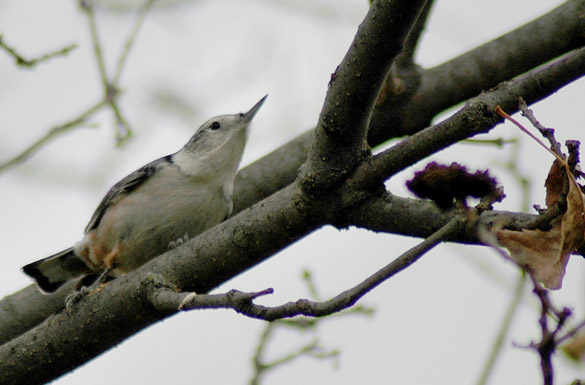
433, 322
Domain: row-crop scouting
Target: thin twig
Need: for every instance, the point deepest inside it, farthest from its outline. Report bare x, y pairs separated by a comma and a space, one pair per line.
21, 61
312, 349
498, 142
257, 358
557, 154
504, 328
304, 324
548, 133
87, 6
123, 130
571, 333
512, 166
130, 41
308, 278
166, 299
547, 346
52, 134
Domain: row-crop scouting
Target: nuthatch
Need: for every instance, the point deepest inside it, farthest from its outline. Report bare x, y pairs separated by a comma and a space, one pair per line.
157, 207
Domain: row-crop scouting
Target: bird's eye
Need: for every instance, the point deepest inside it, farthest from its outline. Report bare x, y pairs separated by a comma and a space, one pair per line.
215, 126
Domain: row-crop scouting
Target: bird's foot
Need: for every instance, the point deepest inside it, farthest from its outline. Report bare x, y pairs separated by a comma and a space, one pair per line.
178, 242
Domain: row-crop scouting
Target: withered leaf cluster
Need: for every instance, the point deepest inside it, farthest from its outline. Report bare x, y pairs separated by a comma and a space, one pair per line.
446, 184
545, 254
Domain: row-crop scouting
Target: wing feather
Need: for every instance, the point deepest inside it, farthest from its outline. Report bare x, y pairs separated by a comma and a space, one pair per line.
124, 187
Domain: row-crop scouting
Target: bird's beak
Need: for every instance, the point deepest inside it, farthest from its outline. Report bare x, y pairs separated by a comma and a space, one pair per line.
248, 116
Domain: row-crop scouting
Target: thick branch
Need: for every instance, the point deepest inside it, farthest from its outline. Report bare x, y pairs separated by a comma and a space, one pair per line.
478, 116
414, 148
340, 137
550, 36
421, 218
390, 214
475, 117
122, 307
279, 168
27, 308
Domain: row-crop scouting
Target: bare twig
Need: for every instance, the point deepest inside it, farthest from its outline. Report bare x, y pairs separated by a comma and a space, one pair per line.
299, 323
261, 367
548, 133
550, 339
308, 278
21, 61
123, 130
54, 132
166, 299
87, 6
548, 343
498, 142
111, 90
504, 328
111, 87
130, 41
524, 182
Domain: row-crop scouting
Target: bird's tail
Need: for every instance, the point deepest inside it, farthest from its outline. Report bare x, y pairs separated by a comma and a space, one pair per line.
52, 272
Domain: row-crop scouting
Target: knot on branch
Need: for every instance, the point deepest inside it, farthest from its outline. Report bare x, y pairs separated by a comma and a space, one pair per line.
244, 302
479, 114
157, 290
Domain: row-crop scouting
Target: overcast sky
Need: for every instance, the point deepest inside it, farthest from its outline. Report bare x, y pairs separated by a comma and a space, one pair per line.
195, 59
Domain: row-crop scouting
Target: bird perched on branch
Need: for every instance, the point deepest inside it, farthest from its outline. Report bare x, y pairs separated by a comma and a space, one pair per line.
157, 207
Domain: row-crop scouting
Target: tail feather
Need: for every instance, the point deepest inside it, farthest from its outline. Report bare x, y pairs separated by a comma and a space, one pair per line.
52, 272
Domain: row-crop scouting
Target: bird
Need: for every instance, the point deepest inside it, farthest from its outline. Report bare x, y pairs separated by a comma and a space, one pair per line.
157, 207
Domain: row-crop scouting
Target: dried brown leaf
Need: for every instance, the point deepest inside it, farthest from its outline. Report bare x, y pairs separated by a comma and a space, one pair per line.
546, 253
554, 184
537, 251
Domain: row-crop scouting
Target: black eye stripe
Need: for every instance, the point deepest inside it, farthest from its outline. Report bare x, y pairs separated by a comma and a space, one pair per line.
215, 126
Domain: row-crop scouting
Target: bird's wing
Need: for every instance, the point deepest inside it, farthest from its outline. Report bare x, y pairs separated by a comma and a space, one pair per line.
124, 187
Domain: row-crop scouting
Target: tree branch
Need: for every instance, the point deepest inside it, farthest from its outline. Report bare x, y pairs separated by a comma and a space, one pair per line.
437, 92
421, 218
340, 136
110, 95
388, 213
21, 61
504, 329
478, 116
396, 219
537, 85
546, 347
166, 299
552, 35
27, 308
123, 306
54, 132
